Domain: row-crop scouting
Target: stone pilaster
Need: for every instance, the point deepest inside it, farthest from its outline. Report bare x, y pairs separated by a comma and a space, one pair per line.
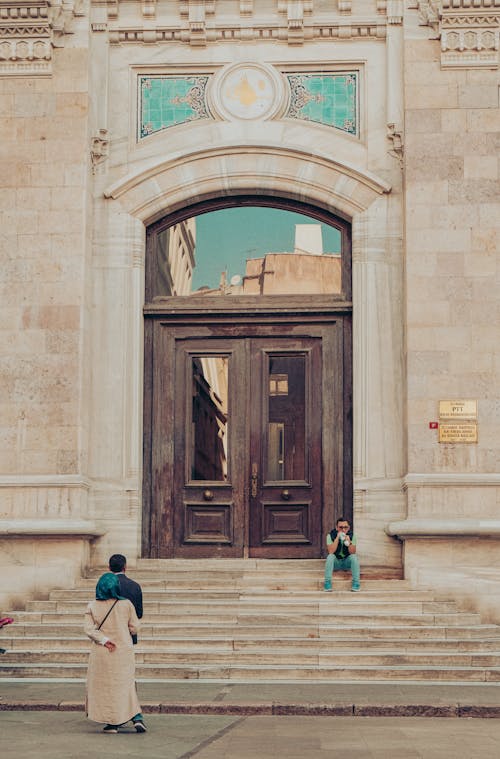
379, 452
115, 404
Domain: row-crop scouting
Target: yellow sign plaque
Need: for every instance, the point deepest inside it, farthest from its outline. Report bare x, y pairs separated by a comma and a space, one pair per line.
459, 409
458, 432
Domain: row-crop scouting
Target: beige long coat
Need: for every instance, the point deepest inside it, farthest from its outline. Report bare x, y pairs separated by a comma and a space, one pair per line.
111, 693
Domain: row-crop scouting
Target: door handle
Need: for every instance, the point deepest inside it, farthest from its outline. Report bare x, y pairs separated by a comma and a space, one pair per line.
285, 494
254, 481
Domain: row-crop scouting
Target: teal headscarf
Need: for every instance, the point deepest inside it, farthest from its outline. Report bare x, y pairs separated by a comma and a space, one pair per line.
108, 587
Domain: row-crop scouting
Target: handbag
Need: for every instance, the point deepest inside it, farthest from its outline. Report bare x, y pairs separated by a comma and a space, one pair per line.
107, 615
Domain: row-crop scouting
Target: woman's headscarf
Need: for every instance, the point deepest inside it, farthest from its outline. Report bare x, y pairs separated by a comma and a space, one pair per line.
108, 587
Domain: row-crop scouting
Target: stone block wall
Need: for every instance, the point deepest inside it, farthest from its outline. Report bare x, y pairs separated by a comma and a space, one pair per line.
452, 255
44, 190
452, 223
44, 202
34, 566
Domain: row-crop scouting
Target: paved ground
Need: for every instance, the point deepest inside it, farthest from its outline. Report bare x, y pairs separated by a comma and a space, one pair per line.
68, 735
214, 720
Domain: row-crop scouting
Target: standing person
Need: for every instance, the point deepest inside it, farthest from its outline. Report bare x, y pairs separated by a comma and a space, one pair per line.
128, 588
3, 622
111, 695
341, 545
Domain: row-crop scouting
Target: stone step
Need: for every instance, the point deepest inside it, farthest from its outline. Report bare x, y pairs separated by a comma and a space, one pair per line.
292, 587
286, 656
269, 606
156, 594
270, 673
167, 631
230, 582
268, 567
235, 643
265, 621
323, 644
331, 616
194, 575
264, 573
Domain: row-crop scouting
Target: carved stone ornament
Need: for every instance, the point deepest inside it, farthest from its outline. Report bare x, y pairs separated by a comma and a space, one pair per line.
396, 137
195, 14
469, 31
29, 30
99, 148
246, 91
394, 12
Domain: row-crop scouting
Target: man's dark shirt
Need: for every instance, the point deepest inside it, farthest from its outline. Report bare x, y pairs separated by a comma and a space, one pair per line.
133, 591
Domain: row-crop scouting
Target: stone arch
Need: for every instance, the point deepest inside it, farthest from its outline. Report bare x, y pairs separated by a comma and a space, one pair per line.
164, 184
160, 188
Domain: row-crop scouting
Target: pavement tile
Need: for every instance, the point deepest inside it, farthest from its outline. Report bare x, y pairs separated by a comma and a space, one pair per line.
482, 711
29, 705
311, 710
70, 706
405, 710
216, 708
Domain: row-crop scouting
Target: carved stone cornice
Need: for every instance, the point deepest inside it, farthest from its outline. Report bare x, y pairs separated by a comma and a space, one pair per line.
29, 30
293, 34
469, 31
202, 22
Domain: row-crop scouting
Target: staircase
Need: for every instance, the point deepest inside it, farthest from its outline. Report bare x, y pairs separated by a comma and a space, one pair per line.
268, 621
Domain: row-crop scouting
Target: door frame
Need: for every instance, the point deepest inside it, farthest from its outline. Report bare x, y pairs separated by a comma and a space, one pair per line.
277, 311
283, 316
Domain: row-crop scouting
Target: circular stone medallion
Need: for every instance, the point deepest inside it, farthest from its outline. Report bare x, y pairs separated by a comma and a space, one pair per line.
247, 91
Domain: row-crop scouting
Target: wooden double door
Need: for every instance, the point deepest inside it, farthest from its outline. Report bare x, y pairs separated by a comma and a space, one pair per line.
247, 444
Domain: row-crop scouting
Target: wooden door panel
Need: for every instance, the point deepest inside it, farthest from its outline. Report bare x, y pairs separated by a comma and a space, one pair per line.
208, 523
285, 447
162, 458
284, 523
208, 433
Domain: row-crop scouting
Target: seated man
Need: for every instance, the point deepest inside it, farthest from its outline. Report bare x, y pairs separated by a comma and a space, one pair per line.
341, 544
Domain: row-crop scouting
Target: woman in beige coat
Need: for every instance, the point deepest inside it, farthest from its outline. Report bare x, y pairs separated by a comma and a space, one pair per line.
110, 621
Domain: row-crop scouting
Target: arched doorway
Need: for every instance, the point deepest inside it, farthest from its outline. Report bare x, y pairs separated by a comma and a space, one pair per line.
248, 410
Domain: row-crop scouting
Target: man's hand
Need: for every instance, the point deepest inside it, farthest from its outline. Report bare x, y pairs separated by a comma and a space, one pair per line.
110, 646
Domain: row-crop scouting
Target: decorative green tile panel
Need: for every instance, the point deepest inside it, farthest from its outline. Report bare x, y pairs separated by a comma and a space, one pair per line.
166, 101
330, 99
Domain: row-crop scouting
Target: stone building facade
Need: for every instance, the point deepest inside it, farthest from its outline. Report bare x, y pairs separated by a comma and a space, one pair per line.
407, 158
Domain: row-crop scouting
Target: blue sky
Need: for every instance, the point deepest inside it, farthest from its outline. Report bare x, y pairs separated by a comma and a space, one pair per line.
225, 239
